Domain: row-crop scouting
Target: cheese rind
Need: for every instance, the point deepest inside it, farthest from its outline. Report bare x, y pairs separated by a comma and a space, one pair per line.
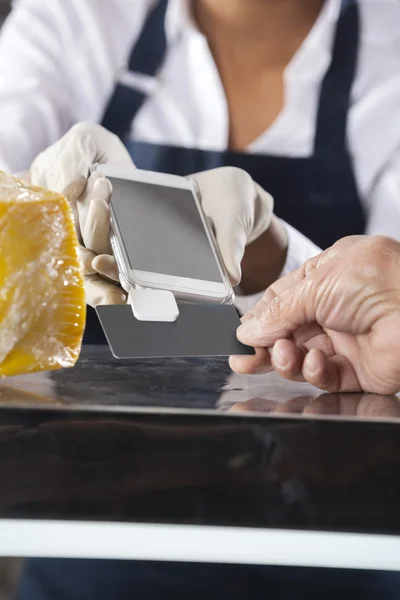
42, 298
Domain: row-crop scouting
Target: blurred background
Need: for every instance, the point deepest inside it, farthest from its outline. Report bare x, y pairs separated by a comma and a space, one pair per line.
4, 8
9, 568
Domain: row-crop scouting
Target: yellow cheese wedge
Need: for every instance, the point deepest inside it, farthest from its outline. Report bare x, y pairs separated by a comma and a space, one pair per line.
42, 298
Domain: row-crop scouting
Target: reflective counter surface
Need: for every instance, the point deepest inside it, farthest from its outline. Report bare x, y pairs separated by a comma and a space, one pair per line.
194, 386
186, 443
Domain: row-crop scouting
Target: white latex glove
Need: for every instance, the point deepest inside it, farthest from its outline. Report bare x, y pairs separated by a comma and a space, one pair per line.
240, 211
64, 167
94, 218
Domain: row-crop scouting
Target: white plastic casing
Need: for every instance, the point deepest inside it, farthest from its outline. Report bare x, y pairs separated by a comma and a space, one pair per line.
153, 305
192, 290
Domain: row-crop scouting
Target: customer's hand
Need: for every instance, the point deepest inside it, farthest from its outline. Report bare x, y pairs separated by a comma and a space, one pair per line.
335, 322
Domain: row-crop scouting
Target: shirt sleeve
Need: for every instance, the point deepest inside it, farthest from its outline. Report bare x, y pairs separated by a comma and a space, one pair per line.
383, 219
59, 60
384, 202
300, 249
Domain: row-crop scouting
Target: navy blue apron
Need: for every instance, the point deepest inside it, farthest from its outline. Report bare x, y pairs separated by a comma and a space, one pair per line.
316, 195
54, 579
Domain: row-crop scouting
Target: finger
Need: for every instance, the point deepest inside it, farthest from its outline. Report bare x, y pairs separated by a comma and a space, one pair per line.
264, 205
100, 292
106, 265
333, 374
246, 317
318, 371
279, 287
233, 188
232, 245
46, 173
287, 359
306, 271
86, 257
96, 231
293, 279
279, 319
63, 167
288, 282
258, 364
98, 187
107, 146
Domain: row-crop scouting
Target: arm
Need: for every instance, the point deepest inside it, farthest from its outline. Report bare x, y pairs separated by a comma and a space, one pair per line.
58, 61
280, 250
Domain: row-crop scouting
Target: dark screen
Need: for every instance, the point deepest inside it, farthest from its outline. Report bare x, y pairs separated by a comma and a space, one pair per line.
162, 230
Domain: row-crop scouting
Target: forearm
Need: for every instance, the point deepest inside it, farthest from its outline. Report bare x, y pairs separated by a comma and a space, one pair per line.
280, 250
264, 259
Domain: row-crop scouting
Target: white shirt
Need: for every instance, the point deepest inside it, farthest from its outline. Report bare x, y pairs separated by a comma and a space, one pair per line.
59, 60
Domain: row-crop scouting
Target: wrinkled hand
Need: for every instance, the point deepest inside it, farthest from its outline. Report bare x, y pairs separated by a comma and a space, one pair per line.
335, 322
64, 167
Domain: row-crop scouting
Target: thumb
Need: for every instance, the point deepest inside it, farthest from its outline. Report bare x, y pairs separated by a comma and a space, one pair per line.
232, 244
99, 292
279, 318
106, 266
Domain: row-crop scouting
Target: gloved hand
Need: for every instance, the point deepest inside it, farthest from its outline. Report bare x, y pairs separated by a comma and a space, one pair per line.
335, 322
64, 167
240, 211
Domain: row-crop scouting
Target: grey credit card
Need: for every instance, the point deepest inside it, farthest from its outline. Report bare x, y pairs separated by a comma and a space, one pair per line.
200, 330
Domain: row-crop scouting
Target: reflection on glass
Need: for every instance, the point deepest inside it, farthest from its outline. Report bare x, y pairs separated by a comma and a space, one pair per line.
189, 386
368, 406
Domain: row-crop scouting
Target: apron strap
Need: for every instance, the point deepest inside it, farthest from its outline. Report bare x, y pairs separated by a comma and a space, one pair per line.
331, 127
148, 55
146, 58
